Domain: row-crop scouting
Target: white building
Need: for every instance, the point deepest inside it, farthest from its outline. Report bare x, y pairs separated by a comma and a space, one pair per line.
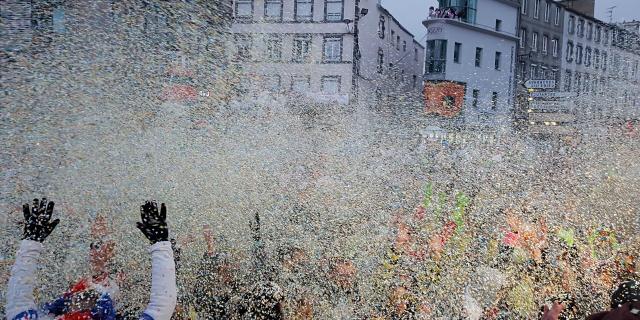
305, 49
601, 66
470, 62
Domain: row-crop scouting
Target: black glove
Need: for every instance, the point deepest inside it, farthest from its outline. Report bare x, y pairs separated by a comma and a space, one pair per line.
154, 223
37, 226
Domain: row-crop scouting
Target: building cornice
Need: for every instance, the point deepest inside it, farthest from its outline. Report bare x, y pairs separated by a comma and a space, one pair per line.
474, 27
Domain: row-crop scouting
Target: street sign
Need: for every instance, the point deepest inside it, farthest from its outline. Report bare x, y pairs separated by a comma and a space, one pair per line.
553, 94
540, 84
548, 105
552, 117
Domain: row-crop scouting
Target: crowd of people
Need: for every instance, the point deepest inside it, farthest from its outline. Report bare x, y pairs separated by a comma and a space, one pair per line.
447, 13
279, 291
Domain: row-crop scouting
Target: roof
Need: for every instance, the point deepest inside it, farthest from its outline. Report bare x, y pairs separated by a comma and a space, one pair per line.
385, 11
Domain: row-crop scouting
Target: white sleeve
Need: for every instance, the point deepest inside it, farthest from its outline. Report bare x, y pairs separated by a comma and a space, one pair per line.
163, 282
22, 281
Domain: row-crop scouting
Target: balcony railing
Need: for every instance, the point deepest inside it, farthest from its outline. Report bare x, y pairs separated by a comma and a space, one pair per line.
462, 13
436, 66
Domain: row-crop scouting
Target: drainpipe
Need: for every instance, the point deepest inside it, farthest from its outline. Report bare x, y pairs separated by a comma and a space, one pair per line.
356, 52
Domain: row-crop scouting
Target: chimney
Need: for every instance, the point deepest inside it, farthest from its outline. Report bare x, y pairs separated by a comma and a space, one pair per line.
586, 7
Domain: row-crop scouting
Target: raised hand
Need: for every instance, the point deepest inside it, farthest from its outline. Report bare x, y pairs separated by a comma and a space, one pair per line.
154, 223
37, 226
553, 313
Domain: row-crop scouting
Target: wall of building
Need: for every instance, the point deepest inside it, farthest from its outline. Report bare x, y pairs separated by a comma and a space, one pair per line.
15, 25
491, 10
608, 86
585, 7
261, 74
486, 79
403, 61
394, 81
536, 63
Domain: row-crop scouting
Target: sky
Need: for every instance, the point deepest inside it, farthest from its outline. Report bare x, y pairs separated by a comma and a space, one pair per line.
411, 12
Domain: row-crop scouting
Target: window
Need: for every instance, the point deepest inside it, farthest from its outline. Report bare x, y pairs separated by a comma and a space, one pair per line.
478, 57
523, 9
579, 54
536, 8
415, 81
304, 10
554, 47
243, 46
596, 60
586, 83
587, 57
523, 38
547, 11
606, 37
380, 60
534, 41
498, 25
556, 19
404, 46
332, 49
598, 33
274, 48
456, 52
436, 56
572, 24
300, 84
415, 54
578, 82
273, 82
273, 10
533, 71
580, 28
522, 69
381, 27
589, 31
494, 101
605, 60
330, 84
397, 42
545, 43
567, 83
301, 48
244, 9
333, 10
475, 95
393, 36
569, 51
57, 20
497, 60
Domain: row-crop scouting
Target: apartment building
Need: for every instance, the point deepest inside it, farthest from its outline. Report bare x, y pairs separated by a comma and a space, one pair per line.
540, 44
470, 61
312, 50
600, 65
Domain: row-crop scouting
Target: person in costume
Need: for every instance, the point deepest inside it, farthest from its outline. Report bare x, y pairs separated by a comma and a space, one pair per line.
89, 299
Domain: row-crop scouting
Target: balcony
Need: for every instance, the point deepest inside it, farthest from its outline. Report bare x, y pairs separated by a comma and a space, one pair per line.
465, 14
435, 69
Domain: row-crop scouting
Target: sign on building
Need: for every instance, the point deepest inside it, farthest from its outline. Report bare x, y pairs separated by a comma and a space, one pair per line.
540, 84
553, 95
